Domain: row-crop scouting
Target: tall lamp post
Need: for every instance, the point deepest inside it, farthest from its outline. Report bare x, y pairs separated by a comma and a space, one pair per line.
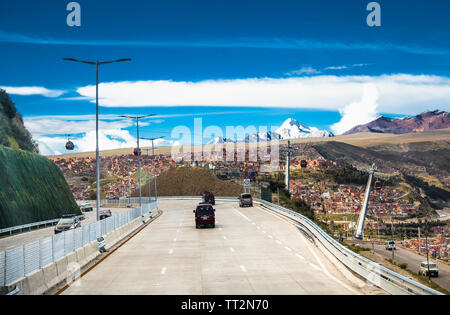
138, 149
153, 153
97, 154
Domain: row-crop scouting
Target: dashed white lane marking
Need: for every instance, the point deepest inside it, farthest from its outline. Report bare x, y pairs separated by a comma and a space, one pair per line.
178, 231
325, 270
258, 228
315, 266
243, 268
253, 223
243, 215
300, 256
220, 229
163, 271
278, 242
288, 248
232, 249
171, 252
175, 239
270, 236
264, 232
224, 237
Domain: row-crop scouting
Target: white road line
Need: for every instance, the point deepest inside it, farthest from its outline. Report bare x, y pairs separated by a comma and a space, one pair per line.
243, 268
258, 228
288, 248
224, 237
163, 271
278, 242
178, 231
270, 236
300, 256
175, 239
253, 223
232, 249
244, 216
264, 232
171, 251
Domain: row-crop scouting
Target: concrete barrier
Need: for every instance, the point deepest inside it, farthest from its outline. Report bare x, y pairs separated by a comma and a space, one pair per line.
61, 267
35, 283
42, 280
81, 257
50, 275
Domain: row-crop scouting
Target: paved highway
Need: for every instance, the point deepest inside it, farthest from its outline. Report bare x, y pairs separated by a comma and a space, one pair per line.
413, 260
9, 242
251, 251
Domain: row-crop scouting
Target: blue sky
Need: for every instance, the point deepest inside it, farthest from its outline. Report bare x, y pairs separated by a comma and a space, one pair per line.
230, 62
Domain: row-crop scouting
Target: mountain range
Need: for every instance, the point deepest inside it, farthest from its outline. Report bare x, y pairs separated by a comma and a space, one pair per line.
290, 129
430, 120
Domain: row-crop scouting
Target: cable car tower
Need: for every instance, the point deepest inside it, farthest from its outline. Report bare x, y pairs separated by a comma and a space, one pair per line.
359, 232
288, 150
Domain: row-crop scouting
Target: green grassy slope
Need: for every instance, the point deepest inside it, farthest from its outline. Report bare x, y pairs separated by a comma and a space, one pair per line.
186, 181
32, 189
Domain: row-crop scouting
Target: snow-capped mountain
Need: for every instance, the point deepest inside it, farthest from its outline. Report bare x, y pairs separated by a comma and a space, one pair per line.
220, 140
262, 137
292, 129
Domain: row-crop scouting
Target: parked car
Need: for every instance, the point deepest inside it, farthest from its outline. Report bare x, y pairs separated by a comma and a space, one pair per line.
205, 216
209, 197
67, 222
112, 198
105, 214
425, 266
245, 200
390, 245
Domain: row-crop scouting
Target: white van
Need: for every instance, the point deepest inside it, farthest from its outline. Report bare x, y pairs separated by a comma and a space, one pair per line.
390, 245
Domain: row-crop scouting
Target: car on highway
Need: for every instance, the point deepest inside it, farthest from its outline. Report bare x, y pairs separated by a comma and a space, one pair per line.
390, 245
86, 207
209, 198
67, 222
245, 200
431, 266
105, 214
205, 216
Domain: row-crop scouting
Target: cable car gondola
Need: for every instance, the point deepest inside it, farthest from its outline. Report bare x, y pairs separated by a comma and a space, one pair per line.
69, 145
303, 163
377, 185
137, 151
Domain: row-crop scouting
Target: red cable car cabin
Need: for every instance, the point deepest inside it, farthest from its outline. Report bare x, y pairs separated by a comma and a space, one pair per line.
70, 146
377, 185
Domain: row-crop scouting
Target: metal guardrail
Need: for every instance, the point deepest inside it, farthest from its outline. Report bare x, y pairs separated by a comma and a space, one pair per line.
377, 274
10, 230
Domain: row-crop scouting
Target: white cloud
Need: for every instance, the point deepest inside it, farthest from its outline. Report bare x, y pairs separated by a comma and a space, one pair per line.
304, 70
32, 90
398, 93
358, 113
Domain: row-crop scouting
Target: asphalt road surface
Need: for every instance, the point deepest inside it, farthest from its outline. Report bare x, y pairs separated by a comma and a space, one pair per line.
251, 251
9, 242
413, 260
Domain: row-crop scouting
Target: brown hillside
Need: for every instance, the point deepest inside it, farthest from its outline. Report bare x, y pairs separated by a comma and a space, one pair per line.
186, 181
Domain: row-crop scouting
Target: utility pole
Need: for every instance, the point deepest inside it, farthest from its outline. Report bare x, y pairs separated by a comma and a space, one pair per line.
138, 150
154, 162
97, 152
149, 179
426, 248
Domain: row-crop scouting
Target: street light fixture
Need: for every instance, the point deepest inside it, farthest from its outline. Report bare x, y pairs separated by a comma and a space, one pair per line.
138, 149
97, 153
153, 153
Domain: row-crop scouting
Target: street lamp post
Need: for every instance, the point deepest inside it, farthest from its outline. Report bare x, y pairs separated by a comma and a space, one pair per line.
138, 150
97, 153
153, 153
